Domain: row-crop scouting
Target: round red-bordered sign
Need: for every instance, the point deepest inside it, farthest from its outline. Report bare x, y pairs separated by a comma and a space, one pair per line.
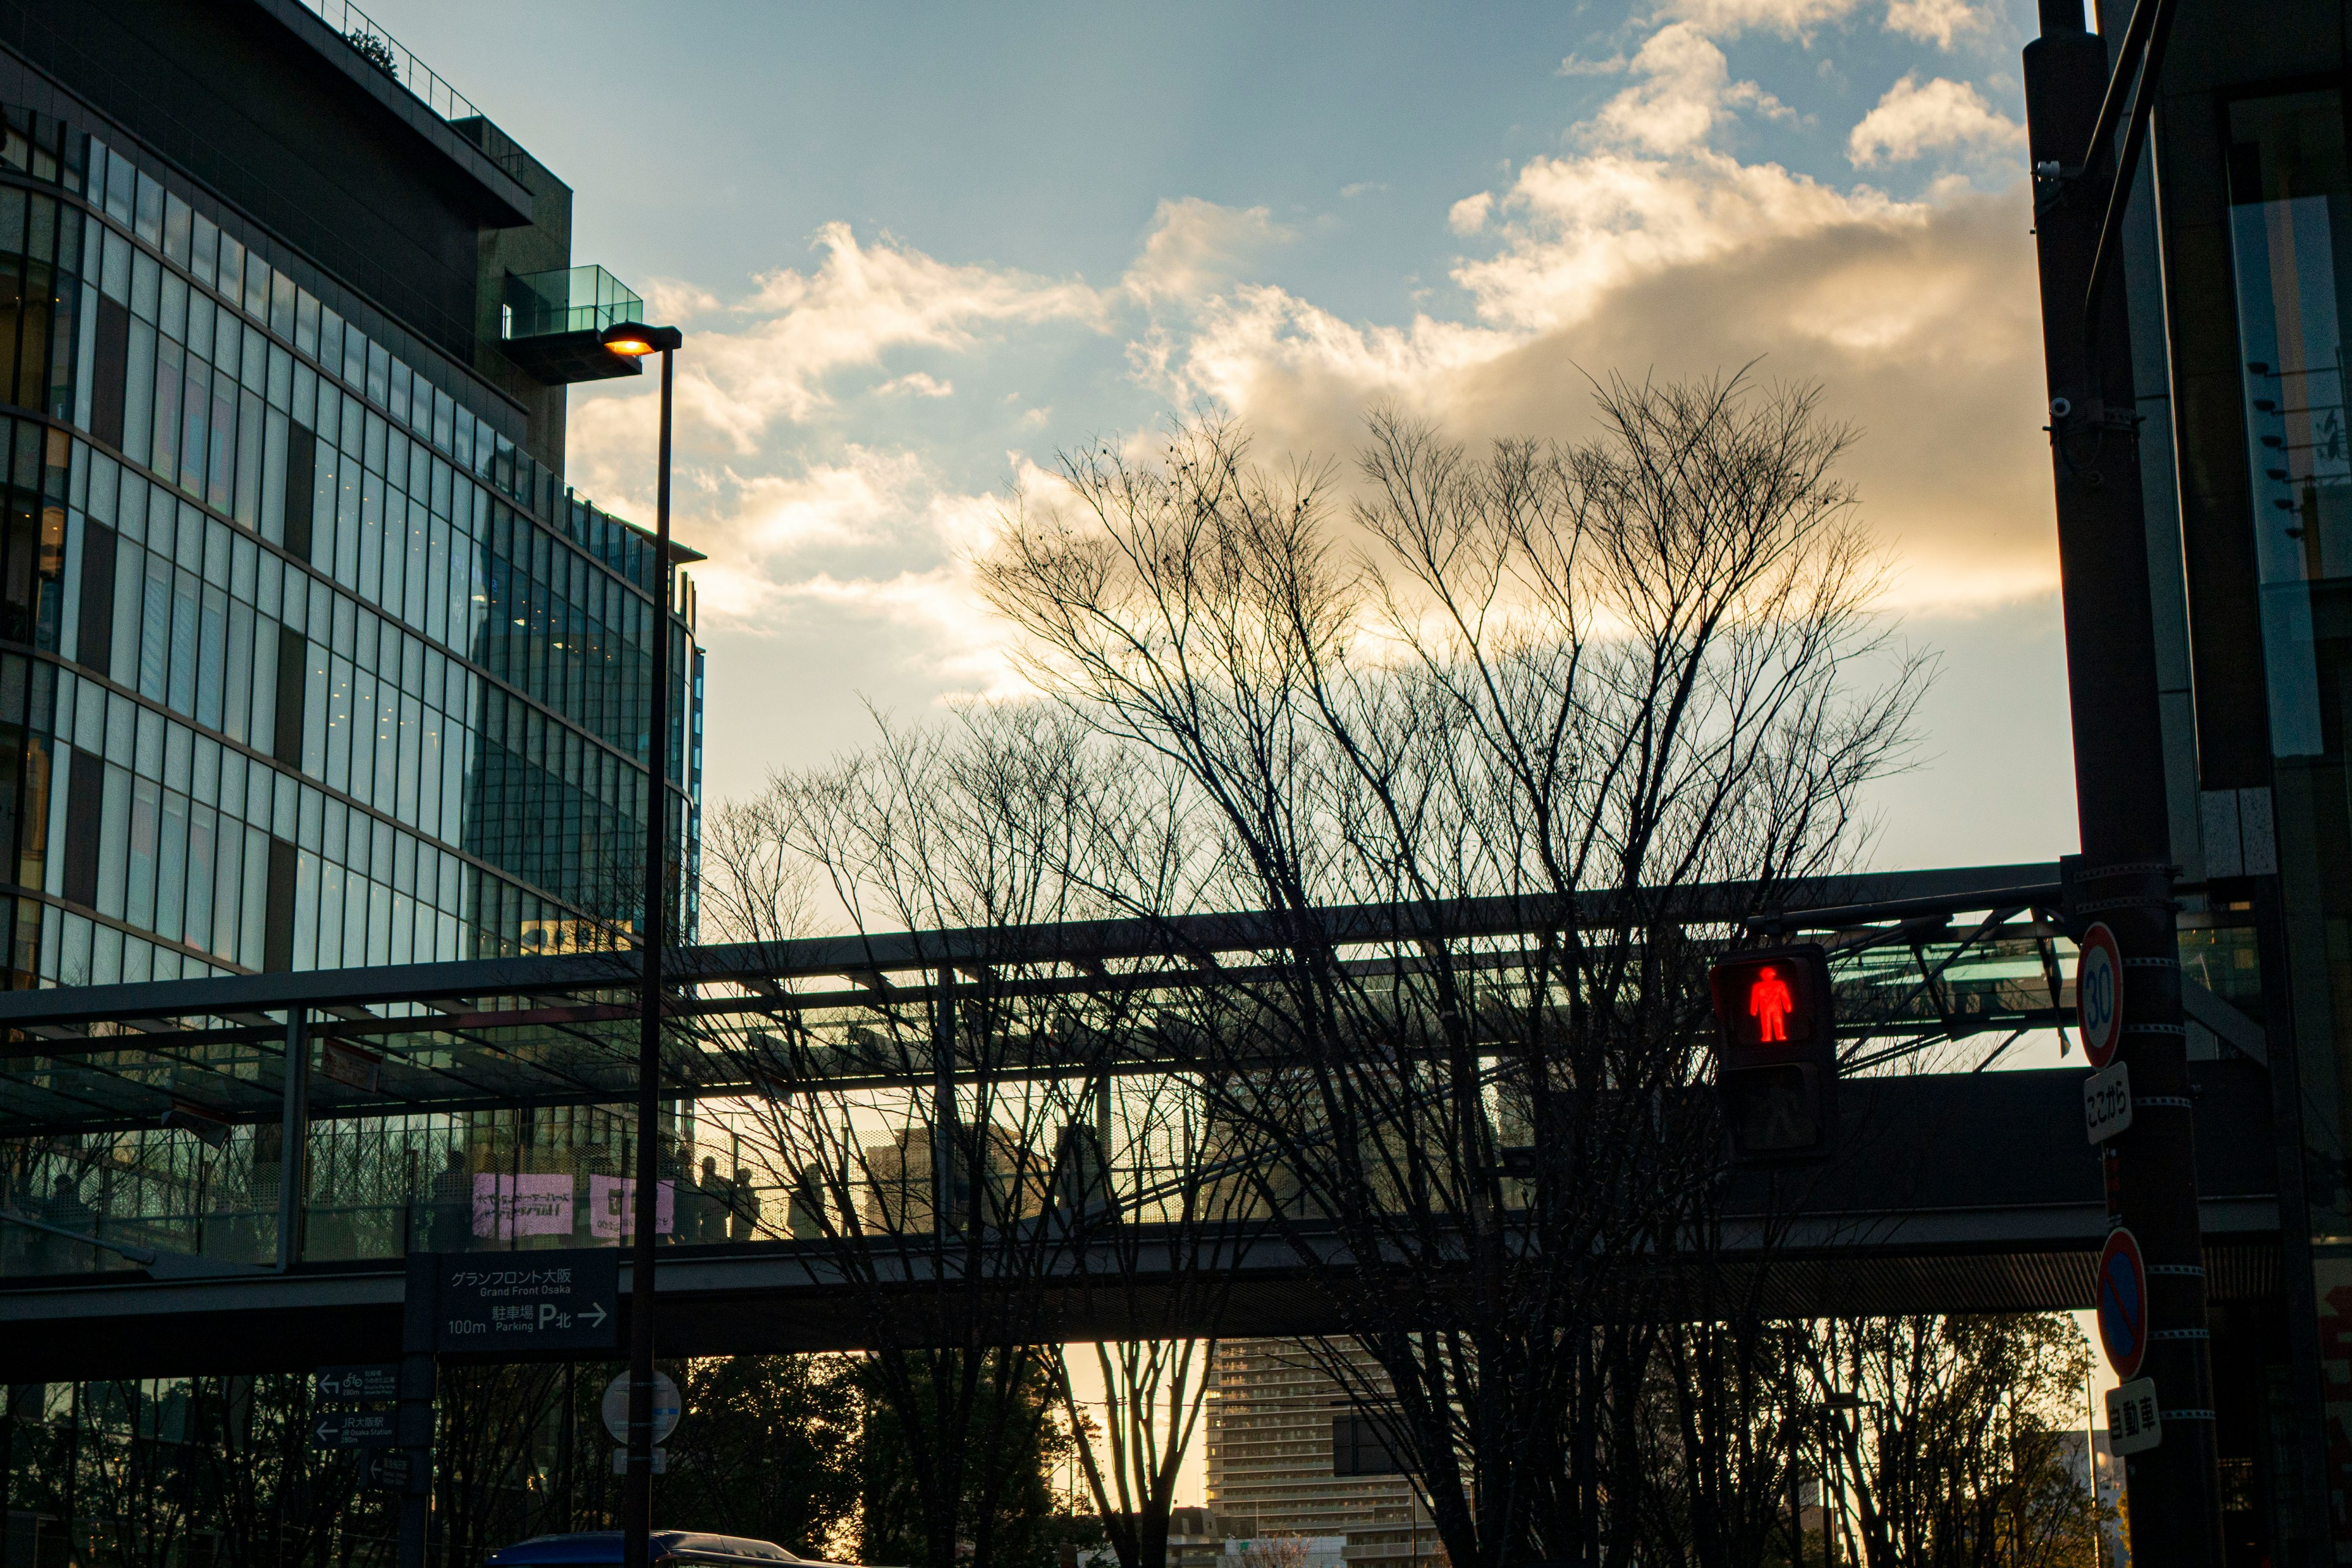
2122, 1304
2099, 995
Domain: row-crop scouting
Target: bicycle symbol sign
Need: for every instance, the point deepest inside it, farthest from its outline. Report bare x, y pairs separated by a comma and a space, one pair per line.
2099, 995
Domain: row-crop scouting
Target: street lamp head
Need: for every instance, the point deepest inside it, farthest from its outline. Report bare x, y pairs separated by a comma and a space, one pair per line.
636, 340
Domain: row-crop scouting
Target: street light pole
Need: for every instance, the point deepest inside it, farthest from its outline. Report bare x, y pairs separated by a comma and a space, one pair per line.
636, 341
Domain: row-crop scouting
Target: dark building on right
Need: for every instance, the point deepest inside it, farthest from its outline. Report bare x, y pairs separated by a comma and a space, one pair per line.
2237, 263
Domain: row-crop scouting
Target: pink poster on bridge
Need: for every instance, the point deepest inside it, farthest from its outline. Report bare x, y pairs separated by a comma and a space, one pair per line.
611, 1208
506, 1207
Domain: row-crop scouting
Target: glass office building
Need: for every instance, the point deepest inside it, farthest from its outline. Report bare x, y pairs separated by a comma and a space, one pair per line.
307, 658
2240, 267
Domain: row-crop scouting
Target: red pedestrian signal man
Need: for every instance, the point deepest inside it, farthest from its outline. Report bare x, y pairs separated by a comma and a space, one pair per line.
1769, 1002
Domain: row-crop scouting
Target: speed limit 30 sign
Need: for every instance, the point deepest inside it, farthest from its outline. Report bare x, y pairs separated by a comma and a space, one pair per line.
2099, 995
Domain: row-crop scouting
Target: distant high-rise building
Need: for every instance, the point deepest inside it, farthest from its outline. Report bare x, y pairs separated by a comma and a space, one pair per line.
1273, 1459
307, 656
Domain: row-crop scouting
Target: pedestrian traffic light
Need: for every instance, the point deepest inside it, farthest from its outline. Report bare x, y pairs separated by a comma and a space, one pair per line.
1775, 1053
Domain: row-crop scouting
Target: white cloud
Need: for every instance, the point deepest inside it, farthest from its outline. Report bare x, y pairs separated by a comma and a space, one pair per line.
1724, 18
1936, 22
1573, 66
1647, 250
1642, 245
675, 300
1939, 116
1684, 90
1192, 248
1361, 188
859, 303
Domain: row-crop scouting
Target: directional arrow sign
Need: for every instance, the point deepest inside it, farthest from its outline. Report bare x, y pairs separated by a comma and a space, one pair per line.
519, 1303
388, 1471
353, 1429
378, 1381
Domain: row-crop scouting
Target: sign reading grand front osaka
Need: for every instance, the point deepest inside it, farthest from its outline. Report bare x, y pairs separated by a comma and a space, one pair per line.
519, 1303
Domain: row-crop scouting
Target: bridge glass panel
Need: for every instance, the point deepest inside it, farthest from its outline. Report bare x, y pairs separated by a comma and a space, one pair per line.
808, 1100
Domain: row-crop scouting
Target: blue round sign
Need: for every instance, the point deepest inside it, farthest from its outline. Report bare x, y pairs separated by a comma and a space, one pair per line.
2122, 1304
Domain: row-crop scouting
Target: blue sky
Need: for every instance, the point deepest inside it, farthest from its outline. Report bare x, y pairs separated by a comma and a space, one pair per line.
916, 250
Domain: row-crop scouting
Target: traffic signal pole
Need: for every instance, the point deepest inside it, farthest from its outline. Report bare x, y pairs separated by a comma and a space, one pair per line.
2127, 874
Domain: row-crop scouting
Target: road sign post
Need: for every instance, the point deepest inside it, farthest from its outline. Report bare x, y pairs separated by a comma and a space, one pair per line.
418, 1374
2123, 879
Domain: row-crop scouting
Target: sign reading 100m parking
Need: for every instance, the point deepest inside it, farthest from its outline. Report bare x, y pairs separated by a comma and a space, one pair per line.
512, 1303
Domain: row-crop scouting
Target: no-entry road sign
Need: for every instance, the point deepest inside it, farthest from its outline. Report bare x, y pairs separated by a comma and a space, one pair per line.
519, 1303
2122, 1304
2099, 995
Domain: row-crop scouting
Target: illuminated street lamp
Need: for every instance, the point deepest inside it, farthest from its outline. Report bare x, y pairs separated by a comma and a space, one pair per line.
635, 340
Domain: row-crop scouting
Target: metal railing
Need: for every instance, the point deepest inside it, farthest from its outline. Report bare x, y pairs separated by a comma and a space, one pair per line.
569, 300
370, 40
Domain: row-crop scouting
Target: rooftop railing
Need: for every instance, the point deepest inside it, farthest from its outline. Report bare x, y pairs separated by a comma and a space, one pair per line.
379, 49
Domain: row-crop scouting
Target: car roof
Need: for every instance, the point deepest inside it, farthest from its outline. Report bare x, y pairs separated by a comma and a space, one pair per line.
591, 1548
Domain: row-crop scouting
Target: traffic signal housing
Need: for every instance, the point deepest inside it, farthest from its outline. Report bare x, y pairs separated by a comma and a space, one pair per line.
1776, 1062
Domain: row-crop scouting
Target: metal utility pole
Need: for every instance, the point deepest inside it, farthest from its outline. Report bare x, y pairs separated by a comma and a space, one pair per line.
2126, 882
636, 340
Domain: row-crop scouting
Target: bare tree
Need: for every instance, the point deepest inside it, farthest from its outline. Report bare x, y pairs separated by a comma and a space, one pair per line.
1580, 681
754, 886
1947, 1434
951, 1133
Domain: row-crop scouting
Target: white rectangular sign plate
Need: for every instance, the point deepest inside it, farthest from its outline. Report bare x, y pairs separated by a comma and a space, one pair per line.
2107, 1102
2133, 1424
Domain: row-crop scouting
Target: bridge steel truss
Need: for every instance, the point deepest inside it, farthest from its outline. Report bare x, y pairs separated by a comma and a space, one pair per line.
206, 1124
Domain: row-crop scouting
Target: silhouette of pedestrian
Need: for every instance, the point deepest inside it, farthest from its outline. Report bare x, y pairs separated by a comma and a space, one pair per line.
742, 1207
716, 1199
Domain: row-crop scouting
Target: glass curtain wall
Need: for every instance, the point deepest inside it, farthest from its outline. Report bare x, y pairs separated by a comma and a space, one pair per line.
312, 666
2291, 251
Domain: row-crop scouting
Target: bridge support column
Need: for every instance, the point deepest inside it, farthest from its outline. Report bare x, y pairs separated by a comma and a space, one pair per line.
419, 1310
293, 1136
943, 1111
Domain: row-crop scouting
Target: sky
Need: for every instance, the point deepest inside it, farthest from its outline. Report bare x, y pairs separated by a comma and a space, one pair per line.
917, 251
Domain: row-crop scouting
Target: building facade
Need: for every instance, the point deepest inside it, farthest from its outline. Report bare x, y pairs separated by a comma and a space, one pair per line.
2239, 265
1278, 1425
307, 656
